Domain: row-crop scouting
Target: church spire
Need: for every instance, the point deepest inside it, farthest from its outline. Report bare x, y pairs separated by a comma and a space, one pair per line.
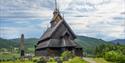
55, 4
56, 15
56, 10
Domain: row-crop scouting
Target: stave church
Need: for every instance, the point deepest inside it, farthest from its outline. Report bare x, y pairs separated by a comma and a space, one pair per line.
58, 38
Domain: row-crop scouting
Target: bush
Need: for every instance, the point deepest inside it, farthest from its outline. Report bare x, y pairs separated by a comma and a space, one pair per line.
114, 56
121, 59
52, 60
42, 60
35, 60
111, 56
67, 55
77, 60
8, 59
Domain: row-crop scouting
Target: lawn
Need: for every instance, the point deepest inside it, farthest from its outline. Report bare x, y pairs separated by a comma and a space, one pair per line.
17, 62
8, 56
23, 62
97, 60
101, 60
74, 60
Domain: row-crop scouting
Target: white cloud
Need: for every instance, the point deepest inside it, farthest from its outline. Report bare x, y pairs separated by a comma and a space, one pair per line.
96, 18
9, 33
100, 19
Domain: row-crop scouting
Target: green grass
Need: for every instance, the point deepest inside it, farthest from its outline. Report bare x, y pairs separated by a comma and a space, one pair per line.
23, 62
8, 55
101, 60
18, 61
98, 60
76, 60
51, 62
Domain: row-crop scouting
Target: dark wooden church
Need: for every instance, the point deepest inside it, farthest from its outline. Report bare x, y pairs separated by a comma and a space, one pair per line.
57, 38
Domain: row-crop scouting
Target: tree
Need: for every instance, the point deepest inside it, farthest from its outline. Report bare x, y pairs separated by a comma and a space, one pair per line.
112, 56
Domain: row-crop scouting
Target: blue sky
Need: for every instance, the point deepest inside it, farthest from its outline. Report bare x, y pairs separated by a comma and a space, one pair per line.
103, 19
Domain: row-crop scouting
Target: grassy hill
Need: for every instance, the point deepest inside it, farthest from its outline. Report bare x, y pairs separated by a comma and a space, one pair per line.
14, 43
87, 43
29, 43
4, 43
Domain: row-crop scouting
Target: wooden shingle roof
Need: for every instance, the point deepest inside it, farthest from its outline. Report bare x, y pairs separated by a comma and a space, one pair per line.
57, 43
50, 31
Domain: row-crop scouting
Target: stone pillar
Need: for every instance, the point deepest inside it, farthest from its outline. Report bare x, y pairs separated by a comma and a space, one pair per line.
22, 52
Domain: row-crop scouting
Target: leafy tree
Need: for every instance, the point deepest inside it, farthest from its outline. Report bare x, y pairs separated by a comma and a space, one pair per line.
112, 56
114, 53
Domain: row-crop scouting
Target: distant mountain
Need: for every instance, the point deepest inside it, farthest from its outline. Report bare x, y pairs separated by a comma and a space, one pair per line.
87, 43
120, 41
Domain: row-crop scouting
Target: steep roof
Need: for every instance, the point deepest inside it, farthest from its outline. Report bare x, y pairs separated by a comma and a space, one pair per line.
57, 43
49, 32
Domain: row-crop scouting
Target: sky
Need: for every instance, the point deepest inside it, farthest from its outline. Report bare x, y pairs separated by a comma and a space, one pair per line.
102, 19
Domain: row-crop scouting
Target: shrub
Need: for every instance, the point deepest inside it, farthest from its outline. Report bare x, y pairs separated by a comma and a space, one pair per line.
35, 60
52, 60
121, 59
42, 60
8, 59
111, 56
114, 56
3, 60
67, 55
77, 60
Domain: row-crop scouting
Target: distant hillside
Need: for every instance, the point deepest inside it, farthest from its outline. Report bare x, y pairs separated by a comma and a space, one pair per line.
29, 43
87, 43
4, 43
120, 41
